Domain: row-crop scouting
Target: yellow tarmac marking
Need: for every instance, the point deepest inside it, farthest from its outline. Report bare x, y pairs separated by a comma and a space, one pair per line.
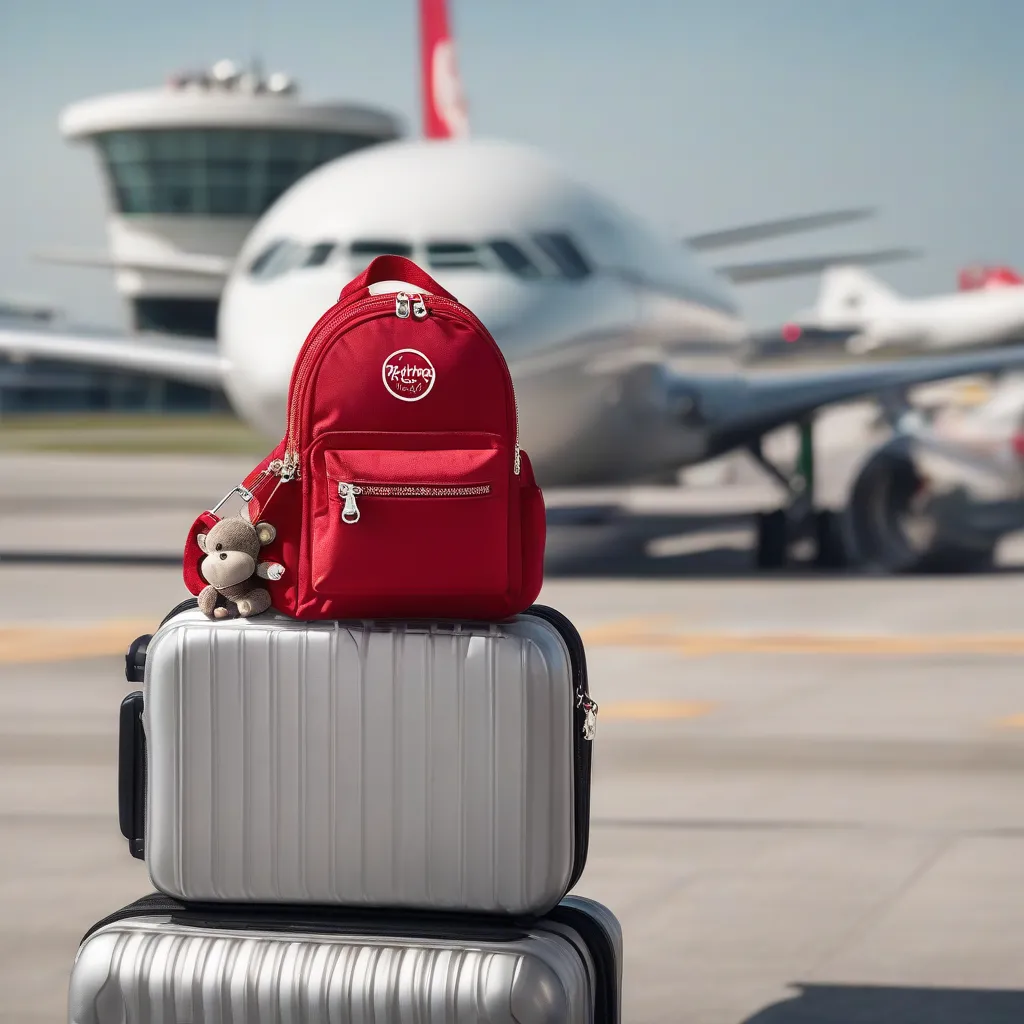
34, 644
623, 632
650, 710
643, 634
26, 644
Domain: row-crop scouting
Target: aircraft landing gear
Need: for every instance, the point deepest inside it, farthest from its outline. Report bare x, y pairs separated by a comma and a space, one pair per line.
772, 539
779, 530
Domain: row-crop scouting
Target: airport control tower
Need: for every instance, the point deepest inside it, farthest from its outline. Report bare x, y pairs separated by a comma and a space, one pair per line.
190, 167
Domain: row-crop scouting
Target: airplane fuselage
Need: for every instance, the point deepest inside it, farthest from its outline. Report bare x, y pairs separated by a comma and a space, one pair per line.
579, 343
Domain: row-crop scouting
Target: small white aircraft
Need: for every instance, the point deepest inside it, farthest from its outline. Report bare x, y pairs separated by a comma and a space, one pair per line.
623, 347
852, 301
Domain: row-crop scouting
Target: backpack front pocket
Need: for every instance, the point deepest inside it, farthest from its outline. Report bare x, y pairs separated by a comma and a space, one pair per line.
412, 522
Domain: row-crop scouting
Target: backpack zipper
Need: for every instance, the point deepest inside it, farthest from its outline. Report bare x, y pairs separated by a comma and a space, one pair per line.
351, 513
321, 334
288, 467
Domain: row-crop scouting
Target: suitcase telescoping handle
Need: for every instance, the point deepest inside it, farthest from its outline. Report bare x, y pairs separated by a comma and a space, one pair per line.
391, 268
135, 659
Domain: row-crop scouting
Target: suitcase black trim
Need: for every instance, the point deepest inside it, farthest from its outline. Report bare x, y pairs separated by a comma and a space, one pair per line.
189, 604
602, 949
390, 924
327, 919
583, 749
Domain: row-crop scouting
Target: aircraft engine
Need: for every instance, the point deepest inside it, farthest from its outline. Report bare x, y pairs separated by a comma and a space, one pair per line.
897, 522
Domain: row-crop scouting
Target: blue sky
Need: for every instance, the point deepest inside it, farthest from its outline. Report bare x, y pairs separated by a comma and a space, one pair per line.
696, 115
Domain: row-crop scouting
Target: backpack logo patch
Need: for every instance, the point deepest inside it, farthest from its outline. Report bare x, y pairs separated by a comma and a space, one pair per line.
408, 374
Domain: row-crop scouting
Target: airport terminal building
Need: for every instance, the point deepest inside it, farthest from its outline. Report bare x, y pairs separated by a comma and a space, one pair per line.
187, 169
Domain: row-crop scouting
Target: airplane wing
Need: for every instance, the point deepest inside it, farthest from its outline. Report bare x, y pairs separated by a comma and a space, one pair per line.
735, 410
191, 360
772, 270
194, 264
764, 230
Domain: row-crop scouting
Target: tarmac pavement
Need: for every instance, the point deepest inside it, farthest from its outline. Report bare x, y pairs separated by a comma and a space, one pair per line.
807, 802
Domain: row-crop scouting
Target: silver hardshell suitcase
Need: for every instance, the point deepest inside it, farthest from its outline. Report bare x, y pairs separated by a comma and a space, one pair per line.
419, 765
154, 961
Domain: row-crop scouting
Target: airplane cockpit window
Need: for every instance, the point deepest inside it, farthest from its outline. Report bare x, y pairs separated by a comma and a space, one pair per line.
319, 254
562, 251
257, 265
453, 255
365, 249
279, 257
513, 258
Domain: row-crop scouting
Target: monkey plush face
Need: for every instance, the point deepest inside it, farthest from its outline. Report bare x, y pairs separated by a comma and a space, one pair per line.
232, 548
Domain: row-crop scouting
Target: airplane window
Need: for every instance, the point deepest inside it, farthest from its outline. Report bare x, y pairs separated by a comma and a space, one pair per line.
261, 261
319, 254
562, 251
365, 250
278, 258
514, 258
449, 255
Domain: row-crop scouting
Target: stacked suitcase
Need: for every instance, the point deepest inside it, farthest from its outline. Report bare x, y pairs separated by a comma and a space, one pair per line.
355, 822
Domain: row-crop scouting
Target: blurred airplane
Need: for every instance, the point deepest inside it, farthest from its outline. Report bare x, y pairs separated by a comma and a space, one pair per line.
975, 277
616, 335
871, 316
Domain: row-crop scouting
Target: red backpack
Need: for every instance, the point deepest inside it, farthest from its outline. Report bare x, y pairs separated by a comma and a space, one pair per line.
400, 489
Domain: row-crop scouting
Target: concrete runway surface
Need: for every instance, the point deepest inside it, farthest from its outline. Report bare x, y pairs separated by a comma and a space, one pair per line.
807, 802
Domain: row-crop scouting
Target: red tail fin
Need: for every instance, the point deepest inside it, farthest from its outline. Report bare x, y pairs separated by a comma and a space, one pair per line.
973, 278
444, 106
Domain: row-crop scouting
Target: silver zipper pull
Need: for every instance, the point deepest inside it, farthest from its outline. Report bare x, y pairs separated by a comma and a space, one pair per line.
290, 467
419, 309
589, 705
243, 492
402, 306
350, 513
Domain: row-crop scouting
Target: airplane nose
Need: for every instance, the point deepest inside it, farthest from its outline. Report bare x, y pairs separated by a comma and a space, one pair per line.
261, 327
497, 302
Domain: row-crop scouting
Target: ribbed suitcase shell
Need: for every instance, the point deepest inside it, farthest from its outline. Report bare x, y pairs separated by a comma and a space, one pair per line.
156, 969
415, 766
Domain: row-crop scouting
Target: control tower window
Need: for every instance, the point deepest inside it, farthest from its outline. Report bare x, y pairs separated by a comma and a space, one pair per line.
562, 251
364, 250
213, 172
514, 258
453, 255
